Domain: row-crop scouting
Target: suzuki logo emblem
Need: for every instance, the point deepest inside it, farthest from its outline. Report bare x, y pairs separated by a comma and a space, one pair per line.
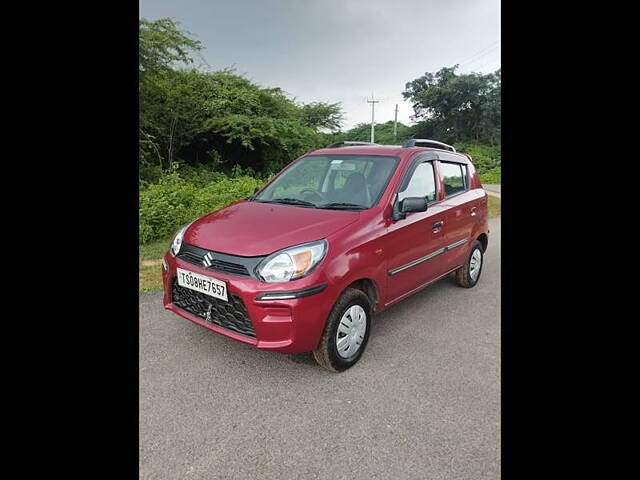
207, 260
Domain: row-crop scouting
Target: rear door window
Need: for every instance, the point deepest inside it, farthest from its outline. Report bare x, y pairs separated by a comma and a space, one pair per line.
453, 177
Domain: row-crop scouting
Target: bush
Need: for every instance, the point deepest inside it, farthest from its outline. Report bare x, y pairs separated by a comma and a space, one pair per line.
200, 175
485, 157
491, 176
149, 174
174, 201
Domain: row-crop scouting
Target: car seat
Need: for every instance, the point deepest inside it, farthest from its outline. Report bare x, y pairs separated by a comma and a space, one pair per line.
377, 179
355, 190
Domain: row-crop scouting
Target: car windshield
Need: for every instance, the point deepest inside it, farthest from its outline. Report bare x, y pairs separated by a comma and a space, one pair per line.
340, 182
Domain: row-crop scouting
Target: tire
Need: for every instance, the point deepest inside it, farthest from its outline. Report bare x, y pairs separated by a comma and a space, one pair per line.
327, 354
464, 276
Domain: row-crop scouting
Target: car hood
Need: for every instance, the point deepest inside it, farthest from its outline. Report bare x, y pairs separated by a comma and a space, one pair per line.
252, 229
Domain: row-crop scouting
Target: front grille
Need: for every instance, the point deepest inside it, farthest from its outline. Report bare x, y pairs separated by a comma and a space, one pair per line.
220, 262
231, 315
219, 265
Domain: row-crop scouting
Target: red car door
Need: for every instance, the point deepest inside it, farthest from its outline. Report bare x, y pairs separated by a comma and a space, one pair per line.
414, 244
461, 205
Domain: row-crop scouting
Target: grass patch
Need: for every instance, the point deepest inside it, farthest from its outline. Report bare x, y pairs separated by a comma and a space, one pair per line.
491, 176
150, 276
151, 256
155, 250
494, 206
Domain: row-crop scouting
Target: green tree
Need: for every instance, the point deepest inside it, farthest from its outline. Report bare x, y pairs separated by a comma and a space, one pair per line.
323, 116
492, 110
162, 44
383, 133
456, 107
216, 118
224, 119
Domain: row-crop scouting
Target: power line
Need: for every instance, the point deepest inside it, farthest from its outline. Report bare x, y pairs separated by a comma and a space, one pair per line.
491, 62
487, 61
490, 46
481, 56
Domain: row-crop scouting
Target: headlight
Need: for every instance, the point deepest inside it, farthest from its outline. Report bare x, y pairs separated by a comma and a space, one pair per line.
177, 240
292, 263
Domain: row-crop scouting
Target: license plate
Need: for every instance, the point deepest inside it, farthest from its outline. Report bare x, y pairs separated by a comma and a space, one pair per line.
203, 284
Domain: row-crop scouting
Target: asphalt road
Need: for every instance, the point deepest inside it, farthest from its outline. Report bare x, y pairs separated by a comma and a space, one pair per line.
422, 403
492, 189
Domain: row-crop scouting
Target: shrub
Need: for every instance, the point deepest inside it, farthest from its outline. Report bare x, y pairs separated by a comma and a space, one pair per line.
149, 174
174, 201
491, 176
200, 175
485, 157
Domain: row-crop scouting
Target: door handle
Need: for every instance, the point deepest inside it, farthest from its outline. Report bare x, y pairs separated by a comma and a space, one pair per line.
473, 211
438, 224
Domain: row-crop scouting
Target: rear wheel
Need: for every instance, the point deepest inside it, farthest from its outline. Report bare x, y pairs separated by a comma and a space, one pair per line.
468, 275
346, 333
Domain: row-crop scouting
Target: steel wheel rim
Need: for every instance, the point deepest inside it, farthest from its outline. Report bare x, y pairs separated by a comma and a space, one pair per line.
475, 264
351, 331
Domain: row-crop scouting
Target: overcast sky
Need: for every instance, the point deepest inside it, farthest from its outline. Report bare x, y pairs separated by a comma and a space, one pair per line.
341, 50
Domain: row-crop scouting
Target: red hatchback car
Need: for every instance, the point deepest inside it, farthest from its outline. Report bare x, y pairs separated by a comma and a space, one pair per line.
339, 234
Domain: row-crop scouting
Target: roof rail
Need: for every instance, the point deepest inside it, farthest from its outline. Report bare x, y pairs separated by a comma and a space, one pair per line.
423, 142
349, 143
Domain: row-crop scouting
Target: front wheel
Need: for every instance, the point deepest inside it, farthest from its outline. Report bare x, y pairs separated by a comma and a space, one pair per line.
346, 333
467, 276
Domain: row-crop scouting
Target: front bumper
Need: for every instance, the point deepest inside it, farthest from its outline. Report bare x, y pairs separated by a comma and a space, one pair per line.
281, 323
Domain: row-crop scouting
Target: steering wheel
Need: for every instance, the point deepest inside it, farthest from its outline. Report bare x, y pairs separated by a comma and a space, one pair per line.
313, 192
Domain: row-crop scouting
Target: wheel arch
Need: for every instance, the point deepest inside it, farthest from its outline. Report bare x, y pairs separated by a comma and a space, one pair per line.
369, 288
483, 238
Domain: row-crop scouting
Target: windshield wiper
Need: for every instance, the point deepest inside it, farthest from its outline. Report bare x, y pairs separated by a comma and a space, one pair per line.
343, 206
291, 201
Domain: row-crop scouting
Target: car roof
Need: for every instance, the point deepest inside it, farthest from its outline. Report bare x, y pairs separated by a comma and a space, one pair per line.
391, 150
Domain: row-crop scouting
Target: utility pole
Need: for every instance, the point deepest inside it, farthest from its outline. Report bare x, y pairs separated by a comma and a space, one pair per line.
373, 106
395, 124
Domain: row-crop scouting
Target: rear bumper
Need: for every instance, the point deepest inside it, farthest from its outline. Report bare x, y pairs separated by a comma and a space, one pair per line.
281, 323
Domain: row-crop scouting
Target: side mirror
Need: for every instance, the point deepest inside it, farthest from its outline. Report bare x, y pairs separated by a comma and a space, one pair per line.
409, 204
413, 204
